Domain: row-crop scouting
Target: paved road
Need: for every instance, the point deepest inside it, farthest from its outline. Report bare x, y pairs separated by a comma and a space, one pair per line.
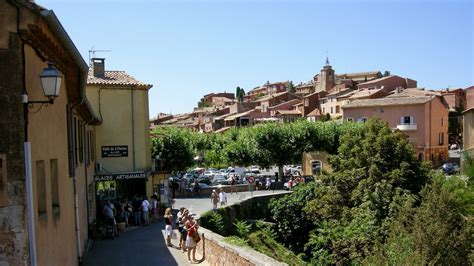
146, 245
199, 205
138, 246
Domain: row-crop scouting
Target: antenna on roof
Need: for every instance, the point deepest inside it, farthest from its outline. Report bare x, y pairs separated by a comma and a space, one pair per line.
92, 52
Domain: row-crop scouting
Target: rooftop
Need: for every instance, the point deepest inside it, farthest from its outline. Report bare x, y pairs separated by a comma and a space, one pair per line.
315, 112
388, 101
113, 77
364, 93
289, 112
413, 92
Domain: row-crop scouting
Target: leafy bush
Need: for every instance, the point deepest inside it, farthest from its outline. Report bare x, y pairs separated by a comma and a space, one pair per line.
242, 229
266, 244
438, 231
292, 224
213, 221
237, 241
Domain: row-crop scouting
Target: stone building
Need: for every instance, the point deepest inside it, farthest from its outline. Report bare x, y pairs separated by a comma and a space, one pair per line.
46, 155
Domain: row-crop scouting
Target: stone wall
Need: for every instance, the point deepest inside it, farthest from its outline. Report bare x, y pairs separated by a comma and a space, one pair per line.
13, 234
238, 188
215, 251
253, 208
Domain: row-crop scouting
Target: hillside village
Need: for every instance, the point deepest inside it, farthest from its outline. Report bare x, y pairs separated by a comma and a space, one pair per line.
420, 113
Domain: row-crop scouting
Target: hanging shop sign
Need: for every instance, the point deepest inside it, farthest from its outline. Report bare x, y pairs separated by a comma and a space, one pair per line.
115, 151
120, 176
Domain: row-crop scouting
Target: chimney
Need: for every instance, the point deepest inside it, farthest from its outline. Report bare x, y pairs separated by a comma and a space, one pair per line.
98, 67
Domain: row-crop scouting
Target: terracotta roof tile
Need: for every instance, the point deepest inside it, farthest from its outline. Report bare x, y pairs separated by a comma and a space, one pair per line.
388, 101
113, 77
289, 112
315, 112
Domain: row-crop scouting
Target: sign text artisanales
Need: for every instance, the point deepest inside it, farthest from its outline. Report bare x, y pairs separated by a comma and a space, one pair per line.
120, 176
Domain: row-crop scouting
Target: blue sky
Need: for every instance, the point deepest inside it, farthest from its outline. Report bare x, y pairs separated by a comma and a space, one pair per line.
190, 48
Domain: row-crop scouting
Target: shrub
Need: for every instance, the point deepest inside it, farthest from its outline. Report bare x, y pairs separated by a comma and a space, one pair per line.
266, 244
237, 241
242, 229
214, 222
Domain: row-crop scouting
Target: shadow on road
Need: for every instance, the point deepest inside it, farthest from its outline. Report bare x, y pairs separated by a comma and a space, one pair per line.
140, 246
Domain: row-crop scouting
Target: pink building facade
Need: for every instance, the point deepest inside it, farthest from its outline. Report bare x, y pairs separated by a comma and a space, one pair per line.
424, 121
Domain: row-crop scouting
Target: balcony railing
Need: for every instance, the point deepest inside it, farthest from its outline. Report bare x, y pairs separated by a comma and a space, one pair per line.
407, 127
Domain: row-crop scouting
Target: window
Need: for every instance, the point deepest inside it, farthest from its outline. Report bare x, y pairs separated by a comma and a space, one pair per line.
442, 122
324, 110
40, 187
406, 120
74, 130
316, 167
80, 141
331, 109
70, 144
441, 138
53, 164
337, 110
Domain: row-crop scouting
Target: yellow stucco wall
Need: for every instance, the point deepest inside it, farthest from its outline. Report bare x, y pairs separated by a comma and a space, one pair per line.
114, 105
55, 229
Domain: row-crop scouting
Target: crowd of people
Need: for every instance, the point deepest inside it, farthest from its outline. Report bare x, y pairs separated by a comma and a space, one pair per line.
188, 230
137, 212
218, 197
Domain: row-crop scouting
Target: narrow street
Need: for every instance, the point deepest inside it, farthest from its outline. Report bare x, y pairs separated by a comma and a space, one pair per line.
146, 245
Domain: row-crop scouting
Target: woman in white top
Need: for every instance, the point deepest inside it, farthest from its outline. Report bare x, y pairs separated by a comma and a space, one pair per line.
145, 208
169, 227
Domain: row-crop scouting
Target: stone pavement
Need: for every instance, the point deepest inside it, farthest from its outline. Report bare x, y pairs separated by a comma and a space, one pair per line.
146, 245
137, 246
198, 205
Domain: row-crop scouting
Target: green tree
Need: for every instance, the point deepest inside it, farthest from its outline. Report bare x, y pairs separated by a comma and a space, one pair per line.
243, 150
374, 168
203, 104
239, 94
455, 125
292, 224
325, 117
439, 231
291, 87
386, 73
175, 147
277, 144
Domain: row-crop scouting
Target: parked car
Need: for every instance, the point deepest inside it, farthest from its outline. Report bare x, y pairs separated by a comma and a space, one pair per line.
209, 174
254, 169
222, 171
204, 179
220, 180
201, 187
189, 177
174, 182
448, 168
